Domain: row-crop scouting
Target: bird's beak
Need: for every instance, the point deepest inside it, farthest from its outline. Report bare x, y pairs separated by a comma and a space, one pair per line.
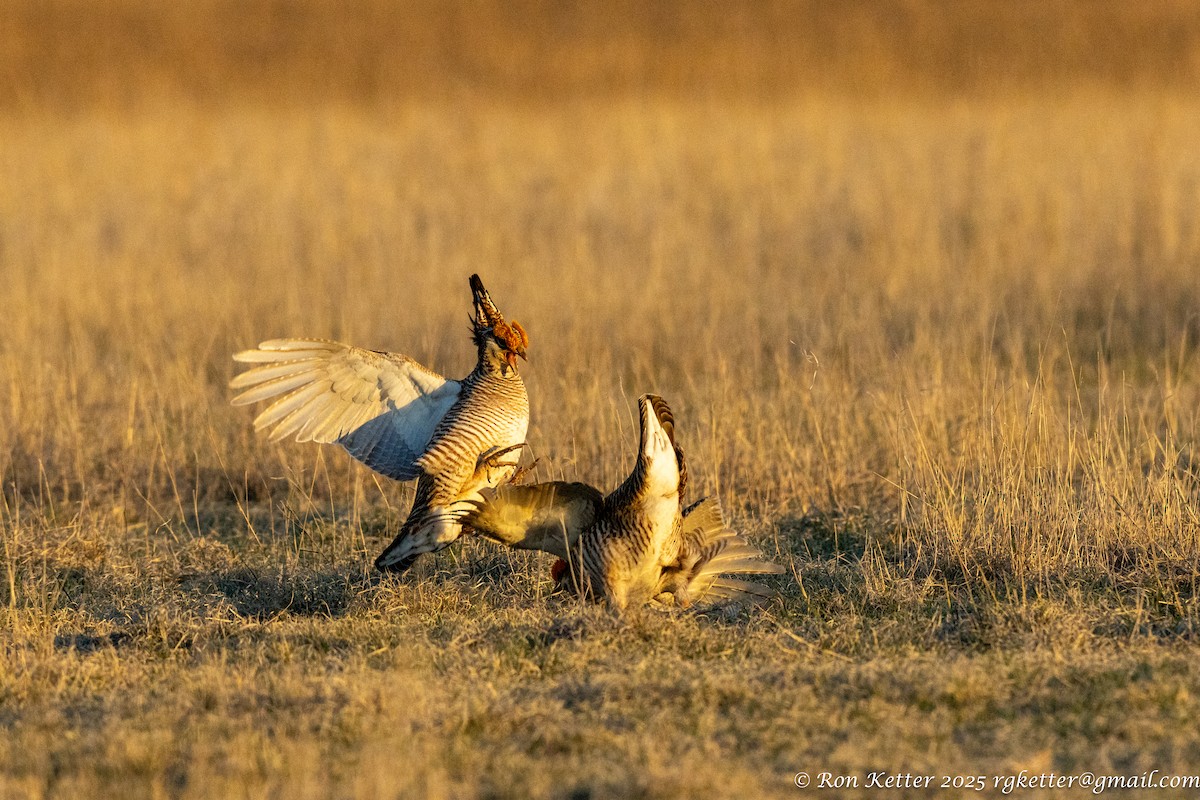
511, 357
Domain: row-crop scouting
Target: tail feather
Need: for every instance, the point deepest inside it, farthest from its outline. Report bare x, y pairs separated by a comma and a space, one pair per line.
665, 418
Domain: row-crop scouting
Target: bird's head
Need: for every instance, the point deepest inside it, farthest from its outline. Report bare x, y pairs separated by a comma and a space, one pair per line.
504, 341
567, 579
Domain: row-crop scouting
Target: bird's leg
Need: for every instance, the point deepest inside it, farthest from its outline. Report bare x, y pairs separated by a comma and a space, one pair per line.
490, 460
491, 457
521, 472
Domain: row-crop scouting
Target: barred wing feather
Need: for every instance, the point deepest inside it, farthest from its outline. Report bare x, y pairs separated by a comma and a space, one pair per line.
710, 552
382, 407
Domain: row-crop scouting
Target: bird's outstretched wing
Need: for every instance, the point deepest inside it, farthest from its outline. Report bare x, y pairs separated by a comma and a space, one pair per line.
544, 516
708, 553
382, 407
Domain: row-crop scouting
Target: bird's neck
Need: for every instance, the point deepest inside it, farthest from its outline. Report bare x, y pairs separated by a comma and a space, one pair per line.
631, 489
492, 365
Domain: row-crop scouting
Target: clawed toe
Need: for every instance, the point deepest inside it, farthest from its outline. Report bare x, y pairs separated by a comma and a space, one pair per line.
521, 472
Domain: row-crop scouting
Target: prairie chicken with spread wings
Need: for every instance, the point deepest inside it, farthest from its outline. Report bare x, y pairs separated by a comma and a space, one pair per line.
636, 544
401, 419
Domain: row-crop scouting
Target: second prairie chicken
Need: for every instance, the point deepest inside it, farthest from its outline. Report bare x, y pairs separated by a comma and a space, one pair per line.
636, 544
401, 419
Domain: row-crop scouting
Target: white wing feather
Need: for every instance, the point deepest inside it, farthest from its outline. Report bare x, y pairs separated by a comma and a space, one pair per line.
382, 407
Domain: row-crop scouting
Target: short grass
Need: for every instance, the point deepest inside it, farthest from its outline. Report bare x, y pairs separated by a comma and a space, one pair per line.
935, 353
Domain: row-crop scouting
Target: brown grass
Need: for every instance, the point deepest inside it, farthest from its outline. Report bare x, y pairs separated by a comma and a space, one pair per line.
936, 352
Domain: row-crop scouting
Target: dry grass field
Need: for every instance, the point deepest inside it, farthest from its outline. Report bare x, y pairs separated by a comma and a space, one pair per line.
922, 282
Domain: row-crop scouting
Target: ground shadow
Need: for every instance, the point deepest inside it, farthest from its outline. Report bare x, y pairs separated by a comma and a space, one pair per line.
90, 643
261, 594
822, 534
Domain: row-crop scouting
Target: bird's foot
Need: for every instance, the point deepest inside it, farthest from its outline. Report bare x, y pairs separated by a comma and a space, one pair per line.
520, 473
492, 460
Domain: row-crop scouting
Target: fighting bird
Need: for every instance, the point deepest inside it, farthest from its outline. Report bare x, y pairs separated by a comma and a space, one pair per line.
636, 544
401, 419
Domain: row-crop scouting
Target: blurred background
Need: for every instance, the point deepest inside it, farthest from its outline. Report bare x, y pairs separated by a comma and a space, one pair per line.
124, 54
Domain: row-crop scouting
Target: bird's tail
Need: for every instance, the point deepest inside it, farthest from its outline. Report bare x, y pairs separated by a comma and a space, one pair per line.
423, 532
653, 408
718, 553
